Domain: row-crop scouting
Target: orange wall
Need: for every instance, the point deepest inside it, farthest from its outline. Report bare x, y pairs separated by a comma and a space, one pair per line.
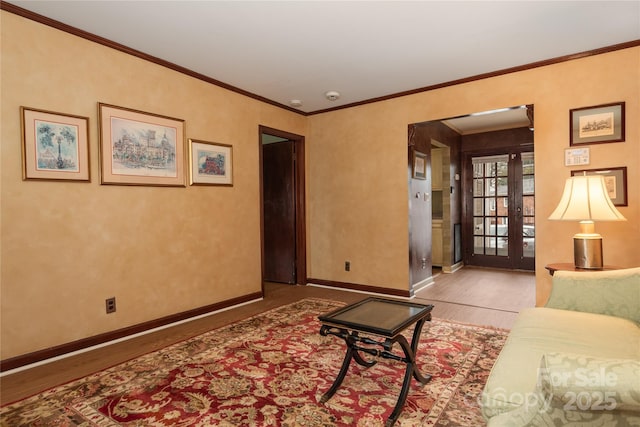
66, 247
357, 179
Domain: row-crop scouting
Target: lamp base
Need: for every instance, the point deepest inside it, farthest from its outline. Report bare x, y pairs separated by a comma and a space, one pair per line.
587, 251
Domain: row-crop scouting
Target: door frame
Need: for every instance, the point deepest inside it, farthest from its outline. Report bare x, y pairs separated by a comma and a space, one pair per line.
300, 203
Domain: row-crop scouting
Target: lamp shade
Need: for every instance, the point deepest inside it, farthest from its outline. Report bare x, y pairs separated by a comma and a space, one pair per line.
586, 198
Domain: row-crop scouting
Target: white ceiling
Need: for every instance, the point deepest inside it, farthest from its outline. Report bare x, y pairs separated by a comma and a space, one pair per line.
285, 50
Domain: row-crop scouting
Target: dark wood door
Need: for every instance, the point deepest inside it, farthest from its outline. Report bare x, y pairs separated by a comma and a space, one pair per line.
279, 194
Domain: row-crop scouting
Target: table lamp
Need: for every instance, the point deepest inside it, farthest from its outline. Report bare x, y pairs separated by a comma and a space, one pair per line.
586, 199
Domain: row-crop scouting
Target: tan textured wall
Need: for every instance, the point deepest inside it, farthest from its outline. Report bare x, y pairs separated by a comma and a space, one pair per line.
357, 197
357, 179
68, 246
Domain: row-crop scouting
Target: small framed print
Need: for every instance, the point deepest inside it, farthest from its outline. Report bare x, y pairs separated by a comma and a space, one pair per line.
55, 146
138, 148
211, 163
597, 125
419, 165
615, 180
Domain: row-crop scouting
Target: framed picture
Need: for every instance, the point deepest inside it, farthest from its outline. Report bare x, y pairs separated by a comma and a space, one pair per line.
597, 125
211, 163
615, 180
419, 165
55, 146
138, 148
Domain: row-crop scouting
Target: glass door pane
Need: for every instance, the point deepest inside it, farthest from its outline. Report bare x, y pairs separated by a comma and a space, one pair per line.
491, 205
528, 206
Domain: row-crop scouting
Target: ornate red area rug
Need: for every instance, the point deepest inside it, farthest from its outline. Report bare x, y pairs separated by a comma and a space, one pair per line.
271, 370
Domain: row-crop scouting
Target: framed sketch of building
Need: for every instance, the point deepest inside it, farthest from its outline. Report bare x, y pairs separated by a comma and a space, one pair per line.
138, 148
597, 125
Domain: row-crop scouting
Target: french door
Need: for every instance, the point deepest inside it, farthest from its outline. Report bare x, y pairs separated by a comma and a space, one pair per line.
499, 214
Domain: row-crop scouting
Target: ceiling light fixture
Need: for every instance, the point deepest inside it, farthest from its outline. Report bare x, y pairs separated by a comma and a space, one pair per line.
296, 103
332, 95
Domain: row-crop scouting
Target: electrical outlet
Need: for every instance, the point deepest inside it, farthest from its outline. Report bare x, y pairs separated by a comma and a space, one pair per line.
110, 304
347, 266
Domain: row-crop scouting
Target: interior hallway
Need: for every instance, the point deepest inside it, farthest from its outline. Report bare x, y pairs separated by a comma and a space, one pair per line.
471, 295
480, 296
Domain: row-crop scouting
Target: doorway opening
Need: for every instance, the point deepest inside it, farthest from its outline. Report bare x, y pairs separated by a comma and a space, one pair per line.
282, 200
451, 222
440, 207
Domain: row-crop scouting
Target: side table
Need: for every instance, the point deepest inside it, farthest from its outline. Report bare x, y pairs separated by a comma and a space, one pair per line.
386, 319
568, 266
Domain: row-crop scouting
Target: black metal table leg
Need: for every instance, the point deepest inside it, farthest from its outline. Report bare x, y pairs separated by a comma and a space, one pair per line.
352, 353
415, 340
411, 371
343, 372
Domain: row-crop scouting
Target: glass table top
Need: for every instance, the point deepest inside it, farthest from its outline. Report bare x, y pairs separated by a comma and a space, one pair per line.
377, 315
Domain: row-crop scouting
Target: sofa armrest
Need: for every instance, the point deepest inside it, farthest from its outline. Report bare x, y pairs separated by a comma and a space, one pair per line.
610, 292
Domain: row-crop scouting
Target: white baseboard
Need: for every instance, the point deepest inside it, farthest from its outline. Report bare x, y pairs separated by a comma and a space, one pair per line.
453, 268
423, 284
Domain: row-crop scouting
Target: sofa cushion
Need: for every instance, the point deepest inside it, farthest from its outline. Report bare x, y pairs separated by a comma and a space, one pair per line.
545, 330
612, 292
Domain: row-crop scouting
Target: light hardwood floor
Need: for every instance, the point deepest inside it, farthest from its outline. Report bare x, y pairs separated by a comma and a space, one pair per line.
470, 295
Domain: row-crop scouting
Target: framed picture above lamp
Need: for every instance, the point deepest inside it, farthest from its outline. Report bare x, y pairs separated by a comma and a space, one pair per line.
615, 180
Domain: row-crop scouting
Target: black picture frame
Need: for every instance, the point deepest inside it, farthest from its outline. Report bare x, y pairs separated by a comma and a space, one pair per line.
598, 124
615, 180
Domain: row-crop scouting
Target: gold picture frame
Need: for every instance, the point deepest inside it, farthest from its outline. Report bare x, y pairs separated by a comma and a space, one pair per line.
211, 163
55, 146
139, 148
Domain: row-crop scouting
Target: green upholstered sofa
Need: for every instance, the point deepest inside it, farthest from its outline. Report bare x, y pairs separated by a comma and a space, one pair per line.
575, 361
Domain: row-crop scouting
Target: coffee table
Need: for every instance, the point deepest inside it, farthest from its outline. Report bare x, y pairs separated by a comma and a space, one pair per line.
382, 318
